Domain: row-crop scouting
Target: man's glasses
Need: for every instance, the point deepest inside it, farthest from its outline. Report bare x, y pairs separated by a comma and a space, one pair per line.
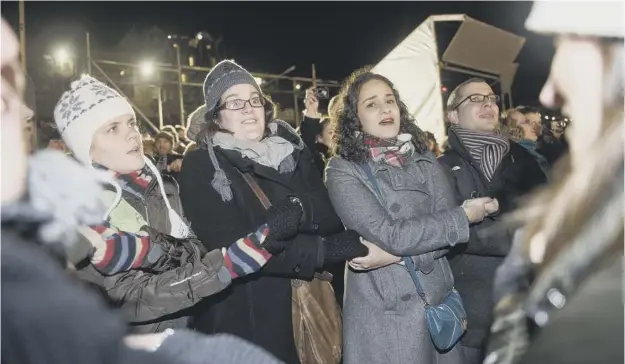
238, 104
478, 99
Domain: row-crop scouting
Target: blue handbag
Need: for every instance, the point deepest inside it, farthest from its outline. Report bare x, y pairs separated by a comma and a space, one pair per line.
446, 321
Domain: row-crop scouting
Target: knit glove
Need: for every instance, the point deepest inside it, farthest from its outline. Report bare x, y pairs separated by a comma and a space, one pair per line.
247, 254
343, 246
284, 218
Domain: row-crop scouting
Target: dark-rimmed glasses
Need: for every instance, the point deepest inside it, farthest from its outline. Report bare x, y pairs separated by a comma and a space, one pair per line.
238, 104
478, 99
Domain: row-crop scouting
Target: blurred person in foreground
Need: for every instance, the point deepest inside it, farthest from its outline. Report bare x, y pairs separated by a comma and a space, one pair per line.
47, 317
559, 292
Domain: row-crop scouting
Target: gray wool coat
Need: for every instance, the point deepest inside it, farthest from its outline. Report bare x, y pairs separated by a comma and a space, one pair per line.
384, 318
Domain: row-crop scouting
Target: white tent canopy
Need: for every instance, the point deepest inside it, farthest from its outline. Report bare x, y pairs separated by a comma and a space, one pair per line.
414, 66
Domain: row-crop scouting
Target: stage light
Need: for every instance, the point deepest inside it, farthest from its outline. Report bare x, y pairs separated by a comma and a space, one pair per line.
147, 68
61, 56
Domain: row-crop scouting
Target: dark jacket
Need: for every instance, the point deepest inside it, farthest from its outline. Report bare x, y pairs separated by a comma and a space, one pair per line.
309, 130
552, 148
257, 307
71, 326
569, 307
47, 318
474, 264
531, 146
162, 165
590, 328
150, 302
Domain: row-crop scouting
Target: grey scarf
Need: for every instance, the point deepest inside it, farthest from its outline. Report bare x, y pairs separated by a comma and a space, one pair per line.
273, 151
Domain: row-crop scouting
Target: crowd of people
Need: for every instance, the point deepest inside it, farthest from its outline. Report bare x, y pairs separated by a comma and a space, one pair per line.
353, 239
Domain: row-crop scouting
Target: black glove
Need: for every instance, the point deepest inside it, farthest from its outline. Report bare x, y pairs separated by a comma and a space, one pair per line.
343, 246
284, 219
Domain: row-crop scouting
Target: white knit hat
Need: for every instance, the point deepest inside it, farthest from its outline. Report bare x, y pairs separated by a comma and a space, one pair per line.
593, 18
83, 109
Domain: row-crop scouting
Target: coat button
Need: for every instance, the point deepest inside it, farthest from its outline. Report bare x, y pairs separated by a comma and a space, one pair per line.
541, 318
406, 297
556, 298
452, 236
315, 227
297, 268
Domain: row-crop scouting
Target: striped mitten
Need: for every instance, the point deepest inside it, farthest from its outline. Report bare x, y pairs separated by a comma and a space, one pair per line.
117, 251
246, 255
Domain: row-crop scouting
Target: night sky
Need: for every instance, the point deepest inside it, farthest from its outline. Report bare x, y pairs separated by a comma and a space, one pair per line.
338, 37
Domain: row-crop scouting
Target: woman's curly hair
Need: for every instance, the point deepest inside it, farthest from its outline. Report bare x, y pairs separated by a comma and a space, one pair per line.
345, 122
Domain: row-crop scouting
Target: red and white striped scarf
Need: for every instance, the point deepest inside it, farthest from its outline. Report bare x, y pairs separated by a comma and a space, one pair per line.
486, 148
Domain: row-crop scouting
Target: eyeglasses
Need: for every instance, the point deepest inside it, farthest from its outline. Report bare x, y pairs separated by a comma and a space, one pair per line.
238, 104
478, 99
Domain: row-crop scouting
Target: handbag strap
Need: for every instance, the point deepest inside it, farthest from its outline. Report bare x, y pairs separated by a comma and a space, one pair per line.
257, 190
407, 260
413, 274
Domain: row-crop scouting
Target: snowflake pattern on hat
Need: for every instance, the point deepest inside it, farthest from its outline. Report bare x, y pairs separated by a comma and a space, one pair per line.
84, 95
72, 104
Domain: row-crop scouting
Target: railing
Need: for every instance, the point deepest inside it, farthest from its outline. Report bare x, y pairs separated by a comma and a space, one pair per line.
178, 68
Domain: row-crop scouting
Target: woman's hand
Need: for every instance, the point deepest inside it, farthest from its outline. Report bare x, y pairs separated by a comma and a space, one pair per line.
312, 105
377, 258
